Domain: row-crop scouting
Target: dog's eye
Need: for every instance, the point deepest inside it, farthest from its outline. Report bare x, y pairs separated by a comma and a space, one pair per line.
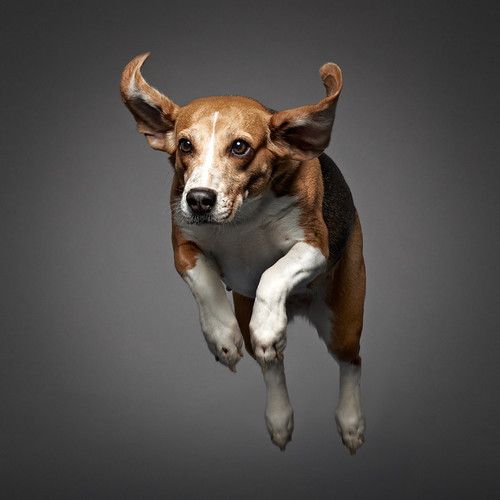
185, 146
240, 148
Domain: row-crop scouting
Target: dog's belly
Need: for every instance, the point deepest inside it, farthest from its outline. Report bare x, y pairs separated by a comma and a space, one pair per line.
244, 250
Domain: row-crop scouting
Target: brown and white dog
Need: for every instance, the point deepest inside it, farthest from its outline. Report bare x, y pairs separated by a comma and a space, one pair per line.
259, 209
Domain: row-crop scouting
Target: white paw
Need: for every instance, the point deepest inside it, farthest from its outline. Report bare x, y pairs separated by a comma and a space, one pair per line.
279, 423
351, 427
225, 343
268, 331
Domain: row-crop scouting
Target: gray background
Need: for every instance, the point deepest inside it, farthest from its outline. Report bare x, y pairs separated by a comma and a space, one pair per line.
107, 387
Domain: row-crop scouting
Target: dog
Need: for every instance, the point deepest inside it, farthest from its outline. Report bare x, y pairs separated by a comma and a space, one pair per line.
259, 209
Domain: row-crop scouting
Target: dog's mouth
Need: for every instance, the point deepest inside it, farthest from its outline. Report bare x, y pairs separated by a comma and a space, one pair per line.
226, 213
197, 220
210, 218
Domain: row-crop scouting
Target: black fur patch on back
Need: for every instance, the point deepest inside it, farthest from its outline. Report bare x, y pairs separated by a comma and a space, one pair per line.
338, 207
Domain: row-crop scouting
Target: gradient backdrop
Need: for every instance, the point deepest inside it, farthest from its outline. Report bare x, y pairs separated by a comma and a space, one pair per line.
107, 387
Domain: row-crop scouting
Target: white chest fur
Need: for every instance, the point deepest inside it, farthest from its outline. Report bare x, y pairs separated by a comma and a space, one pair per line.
263, 232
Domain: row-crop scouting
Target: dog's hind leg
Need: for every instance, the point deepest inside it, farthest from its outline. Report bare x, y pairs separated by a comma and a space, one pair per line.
243, 307
339, 322
279, 411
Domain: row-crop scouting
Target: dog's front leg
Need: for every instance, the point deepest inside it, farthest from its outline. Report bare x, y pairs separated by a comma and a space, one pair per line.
298, 267
217, 319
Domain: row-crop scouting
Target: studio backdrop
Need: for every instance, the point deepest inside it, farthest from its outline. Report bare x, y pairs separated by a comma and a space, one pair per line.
107, 388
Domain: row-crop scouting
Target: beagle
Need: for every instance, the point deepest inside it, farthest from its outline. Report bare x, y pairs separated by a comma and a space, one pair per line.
259, 209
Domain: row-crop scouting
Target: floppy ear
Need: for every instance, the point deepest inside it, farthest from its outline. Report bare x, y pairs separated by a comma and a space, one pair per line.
303, 133
154, 113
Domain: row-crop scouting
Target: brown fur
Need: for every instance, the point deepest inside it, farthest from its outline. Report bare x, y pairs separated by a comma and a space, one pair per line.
243, 307
345, 296
154, 112
304, 180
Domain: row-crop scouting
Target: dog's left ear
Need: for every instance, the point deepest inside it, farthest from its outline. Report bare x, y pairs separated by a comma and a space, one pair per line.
304, 133
154, 112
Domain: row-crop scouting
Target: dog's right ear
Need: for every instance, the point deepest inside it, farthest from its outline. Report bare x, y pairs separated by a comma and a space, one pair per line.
154, 112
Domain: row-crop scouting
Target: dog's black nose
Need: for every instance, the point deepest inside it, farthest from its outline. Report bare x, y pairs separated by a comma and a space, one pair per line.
201, 200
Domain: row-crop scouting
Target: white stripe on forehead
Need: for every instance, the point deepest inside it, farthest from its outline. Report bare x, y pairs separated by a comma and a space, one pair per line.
209, 152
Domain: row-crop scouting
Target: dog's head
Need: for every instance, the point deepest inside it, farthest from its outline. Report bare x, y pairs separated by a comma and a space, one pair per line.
226, 150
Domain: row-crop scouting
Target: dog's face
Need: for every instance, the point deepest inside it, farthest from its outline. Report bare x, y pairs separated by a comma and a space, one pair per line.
225, 150
221, 156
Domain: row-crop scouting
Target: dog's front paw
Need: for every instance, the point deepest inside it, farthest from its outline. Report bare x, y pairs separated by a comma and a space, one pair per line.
225, 342
268, 331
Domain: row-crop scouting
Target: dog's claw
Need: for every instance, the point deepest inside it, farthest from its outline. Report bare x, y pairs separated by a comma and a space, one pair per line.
351, 432
280, 442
